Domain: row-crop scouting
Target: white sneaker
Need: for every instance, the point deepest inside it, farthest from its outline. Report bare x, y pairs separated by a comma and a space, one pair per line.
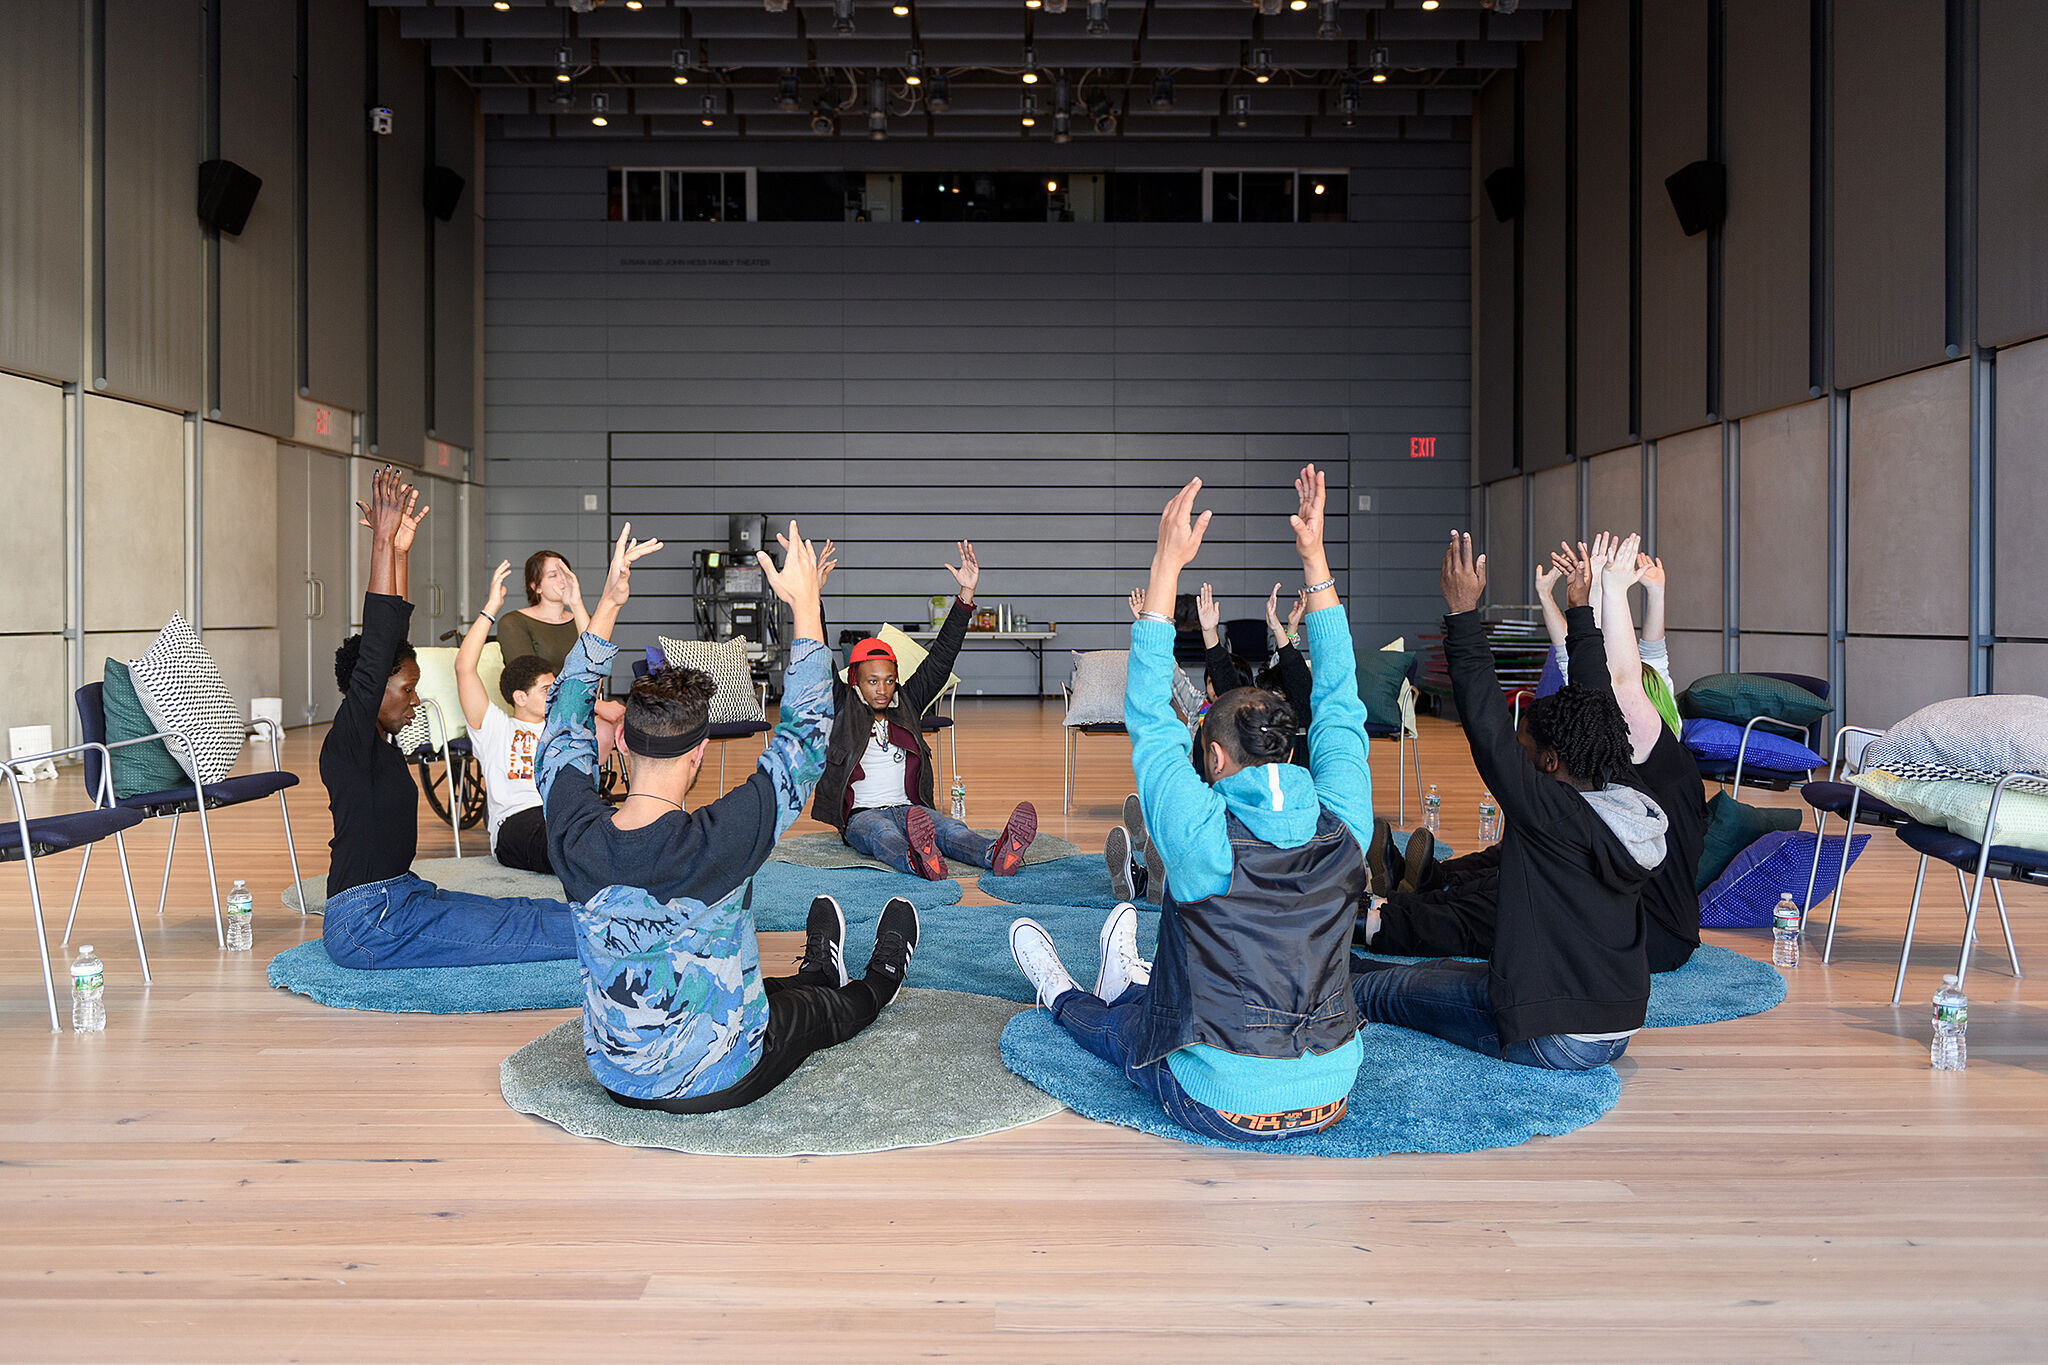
1121, 968
1039, 961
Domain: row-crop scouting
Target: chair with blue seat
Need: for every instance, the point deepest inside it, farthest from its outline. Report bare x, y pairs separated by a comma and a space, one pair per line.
24, 840
181, 800
1992, 862
1740, 772
1854, 805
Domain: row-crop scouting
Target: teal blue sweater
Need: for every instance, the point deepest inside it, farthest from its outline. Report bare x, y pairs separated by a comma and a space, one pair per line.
1279, 803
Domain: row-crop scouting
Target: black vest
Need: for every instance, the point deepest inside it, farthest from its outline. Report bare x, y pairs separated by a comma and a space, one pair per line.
1264, 969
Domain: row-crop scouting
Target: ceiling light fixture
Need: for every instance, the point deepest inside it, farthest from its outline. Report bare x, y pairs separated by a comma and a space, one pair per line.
1062, 109
1347, 101
1162, 93
1268, 8
1297, 5
1098, 18
1262, 64
562, 65
900, 11
913, 68
1327, 27
710, 107
1030, 115
822, 122
1052, 187
679, 62
787, 92
600, 109
842, 16
1241, 109
1378, 66
1030, 4
632, 4
938, 96
1429, 4
1055, 6
878, 117
501, 4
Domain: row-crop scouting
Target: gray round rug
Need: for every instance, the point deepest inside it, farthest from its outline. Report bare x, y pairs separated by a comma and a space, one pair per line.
929, 1070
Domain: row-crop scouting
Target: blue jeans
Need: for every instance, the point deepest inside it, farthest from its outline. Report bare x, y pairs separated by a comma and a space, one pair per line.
879, 834
1110, 1032
1451, 1000
405, 921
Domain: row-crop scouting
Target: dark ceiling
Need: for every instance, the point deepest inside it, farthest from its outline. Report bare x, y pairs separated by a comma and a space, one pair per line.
738, 58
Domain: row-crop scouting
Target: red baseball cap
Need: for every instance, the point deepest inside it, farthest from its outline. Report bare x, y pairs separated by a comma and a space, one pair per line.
871, 648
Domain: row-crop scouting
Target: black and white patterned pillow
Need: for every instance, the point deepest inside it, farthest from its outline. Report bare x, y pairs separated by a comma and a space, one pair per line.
182, 689
726, 662
1969, 739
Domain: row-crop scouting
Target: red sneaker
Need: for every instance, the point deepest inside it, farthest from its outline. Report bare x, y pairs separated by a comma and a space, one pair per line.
1008, 854
924, 845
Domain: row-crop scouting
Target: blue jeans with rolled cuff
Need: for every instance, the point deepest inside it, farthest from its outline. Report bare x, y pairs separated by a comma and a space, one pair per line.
1452, 1000
879, 833
406, 921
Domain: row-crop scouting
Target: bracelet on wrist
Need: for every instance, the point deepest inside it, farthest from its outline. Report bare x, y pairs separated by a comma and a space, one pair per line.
1161, 617
1326, 584
487, 616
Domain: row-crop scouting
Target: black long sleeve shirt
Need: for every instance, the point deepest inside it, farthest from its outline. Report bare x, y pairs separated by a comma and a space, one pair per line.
371, 795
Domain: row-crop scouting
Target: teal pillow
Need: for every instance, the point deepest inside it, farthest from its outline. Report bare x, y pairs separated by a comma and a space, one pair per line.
140, 768
1380, 675
1739, 697
1733, 827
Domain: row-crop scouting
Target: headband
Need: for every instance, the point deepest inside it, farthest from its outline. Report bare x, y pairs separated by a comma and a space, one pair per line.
663, 746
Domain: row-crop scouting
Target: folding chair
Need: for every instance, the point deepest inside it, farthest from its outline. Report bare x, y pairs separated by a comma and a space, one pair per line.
25, 839
1854, 805
2003, 862
1408, 737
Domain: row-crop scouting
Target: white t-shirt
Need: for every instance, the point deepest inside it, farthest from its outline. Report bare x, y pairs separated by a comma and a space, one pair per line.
883, 768
505, 748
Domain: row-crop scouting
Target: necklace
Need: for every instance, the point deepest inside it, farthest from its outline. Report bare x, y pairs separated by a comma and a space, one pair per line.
652, 797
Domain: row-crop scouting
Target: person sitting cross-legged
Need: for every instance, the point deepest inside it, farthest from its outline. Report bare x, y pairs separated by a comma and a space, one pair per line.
676, 1015
1244, 1027
1567, 983
505, 744
878, 787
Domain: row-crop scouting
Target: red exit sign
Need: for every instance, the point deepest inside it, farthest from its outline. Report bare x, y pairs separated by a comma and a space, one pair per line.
1422, 447
323, 421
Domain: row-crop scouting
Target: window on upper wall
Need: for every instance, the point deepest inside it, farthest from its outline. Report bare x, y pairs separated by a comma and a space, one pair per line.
1278, 196
661, 194
809, 196
1154, 197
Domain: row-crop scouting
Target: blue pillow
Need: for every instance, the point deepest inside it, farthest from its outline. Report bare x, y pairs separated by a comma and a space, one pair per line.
1767, 749
1553, 674
1744, 896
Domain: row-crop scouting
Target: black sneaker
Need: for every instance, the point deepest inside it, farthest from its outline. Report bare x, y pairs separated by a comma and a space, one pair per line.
1383, 876
1134, 822
895, 941
824, 961
1417, 862
1116, 853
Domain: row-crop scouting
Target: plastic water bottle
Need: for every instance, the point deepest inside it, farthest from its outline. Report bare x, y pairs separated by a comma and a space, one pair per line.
1489, 818
241, 909
1951, 1049
959, 799
88, 1011
1785, 932
1432, 810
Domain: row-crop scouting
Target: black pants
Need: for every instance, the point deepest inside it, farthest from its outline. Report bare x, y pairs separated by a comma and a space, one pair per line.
523, 841
802, 1019
1456, 920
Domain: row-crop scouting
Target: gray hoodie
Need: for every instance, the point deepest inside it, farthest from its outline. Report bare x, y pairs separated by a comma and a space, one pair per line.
1635, 819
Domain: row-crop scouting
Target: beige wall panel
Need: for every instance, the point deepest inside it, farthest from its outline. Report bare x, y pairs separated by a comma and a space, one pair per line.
2021, 504
1784, 654
239, 578
32, 686
1694, 654
1783, 534
104, 645
2020, 668
32, 453
134, 515
1909, 508
1886, 680
1689, 531
1507, 569
248, 659
1614, 491
1553, 514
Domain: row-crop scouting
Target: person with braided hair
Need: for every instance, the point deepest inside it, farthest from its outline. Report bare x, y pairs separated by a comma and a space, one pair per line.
1244, 1028
1568, 980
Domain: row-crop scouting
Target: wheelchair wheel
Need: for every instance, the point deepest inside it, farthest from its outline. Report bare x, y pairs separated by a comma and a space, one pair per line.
468, 772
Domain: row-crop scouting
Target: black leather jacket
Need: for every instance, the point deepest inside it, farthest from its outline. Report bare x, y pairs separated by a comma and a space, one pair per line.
855, 719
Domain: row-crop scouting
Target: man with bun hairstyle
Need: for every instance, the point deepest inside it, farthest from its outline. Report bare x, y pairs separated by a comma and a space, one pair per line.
878, 789
676, 1013
1244, 1027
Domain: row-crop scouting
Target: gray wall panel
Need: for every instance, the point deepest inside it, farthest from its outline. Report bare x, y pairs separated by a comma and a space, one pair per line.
1888, 680
32, 420
1766, 243
1544, 155
1783, 533
1493, 289
2021, 501
1553, 516
1689, 529
1694, 654
1909, 512
42, 208
2021, 668
453, 418
258, 275
338, 212
1507, 558
1602, 343
2012, 171
1614, 492
1674, 278
1890, 164
1806, 654
400, 410
151, 266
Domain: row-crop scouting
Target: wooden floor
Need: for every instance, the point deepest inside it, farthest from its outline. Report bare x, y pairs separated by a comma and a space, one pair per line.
234, 1173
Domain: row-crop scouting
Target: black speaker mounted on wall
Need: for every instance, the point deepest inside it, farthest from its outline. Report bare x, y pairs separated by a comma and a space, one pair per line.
1699, 193
226, 194
444, 192
1504, 192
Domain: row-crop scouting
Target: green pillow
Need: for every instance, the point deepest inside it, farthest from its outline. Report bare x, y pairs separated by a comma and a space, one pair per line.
140, 768
1380, 675
1738, 697
1733, 827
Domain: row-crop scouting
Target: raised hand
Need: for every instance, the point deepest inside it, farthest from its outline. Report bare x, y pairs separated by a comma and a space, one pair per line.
798, 580
1296, 612
1578, 572
389, 514
1649, 572
1310, 489
968, 572
1622, 569
1206, 610
572, 590
1180, 529
1273, 614
1546, 578
828, 560
1137, 603
1462, 578
618, 584
498, 577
